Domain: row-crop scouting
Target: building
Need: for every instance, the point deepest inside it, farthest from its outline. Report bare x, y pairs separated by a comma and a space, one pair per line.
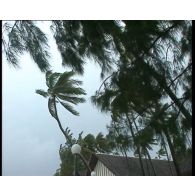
111, 165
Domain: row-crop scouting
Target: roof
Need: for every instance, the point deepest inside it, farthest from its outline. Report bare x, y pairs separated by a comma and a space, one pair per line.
121, 166
186, 166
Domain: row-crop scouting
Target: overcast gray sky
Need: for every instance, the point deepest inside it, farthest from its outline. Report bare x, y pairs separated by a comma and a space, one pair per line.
31, 136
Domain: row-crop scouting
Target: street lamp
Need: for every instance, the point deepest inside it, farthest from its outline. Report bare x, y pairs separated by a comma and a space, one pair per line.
93, 173
76, 151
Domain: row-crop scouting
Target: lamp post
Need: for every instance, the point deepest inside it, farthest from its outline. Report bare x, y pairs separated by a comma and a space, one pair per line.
76, 151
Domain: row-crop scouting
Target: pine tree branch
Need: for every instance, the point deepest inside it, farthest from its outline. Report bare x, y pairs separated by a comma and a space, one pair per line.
185, 70
185, 99
7, 48
159, 37
15, 25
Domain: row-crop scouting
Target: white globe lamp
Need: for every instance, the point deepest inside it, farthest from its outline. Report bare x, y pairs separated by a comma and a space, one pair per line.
93, 173
76, 149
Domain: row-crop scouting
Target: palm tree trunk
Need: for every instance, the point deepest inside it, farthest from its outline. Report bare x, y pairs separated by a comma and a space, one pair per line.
123, 148
148, 154
126, 157
59, 123
163, 141
172, 152
68, 139
138, 148
147, 165
149, 157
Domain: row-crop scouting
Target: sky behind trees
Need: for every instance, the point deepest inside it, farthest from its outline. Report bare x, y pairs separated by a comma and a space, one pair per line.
31, 137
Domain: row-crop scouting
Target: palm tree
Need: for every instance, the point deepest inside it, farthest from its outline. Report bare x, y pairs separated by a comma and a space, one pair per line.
145, 140
64, 90
163, 151
165, 125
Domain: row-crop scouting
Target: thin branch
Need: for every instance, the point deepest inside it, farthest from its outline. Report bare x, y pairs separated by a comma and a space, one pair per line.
159, 37
180, 109
150, 107
171, 83
104, 82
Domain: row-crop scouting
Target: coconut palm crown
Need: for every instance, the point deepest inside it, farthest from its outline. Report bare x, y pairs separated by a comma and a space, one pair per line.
63, 89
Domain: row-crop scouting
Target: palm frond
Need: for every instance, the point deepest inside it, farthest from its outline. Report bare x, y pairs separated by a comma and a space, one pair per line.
51, 106
47, 75
64, 78
53, 78
69, 90
42, 93
74, 82
70, 108
71, 99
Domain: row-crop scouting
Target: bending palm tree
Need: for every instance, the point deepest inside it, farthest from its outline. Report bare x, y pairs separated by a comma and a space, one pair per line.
64, 90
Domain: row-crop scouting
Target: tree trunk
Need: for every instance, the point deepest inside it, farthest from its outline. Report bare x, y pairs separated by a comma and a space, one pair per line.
149, 157
164, 85
172, 152
147, 165
158, 77
126, 157
138, 148
122, 148
148, 154
58, 120
167, 154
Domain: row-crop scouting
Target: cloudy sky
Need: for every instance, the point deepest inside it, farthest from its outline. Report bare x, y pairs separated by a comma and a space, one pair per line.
31, 136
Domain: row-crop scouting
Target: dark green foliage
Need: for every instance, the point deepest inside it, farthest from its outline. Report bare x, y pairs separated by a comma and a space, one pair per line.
140, 85
156, 50
25, 36
67, 159
78, 40
119, 138
89, 144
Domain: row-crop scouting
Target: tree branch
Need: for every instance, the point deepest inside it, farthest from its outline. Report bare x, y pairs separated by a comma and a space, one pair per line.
160, 36
171, 83
104, 82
